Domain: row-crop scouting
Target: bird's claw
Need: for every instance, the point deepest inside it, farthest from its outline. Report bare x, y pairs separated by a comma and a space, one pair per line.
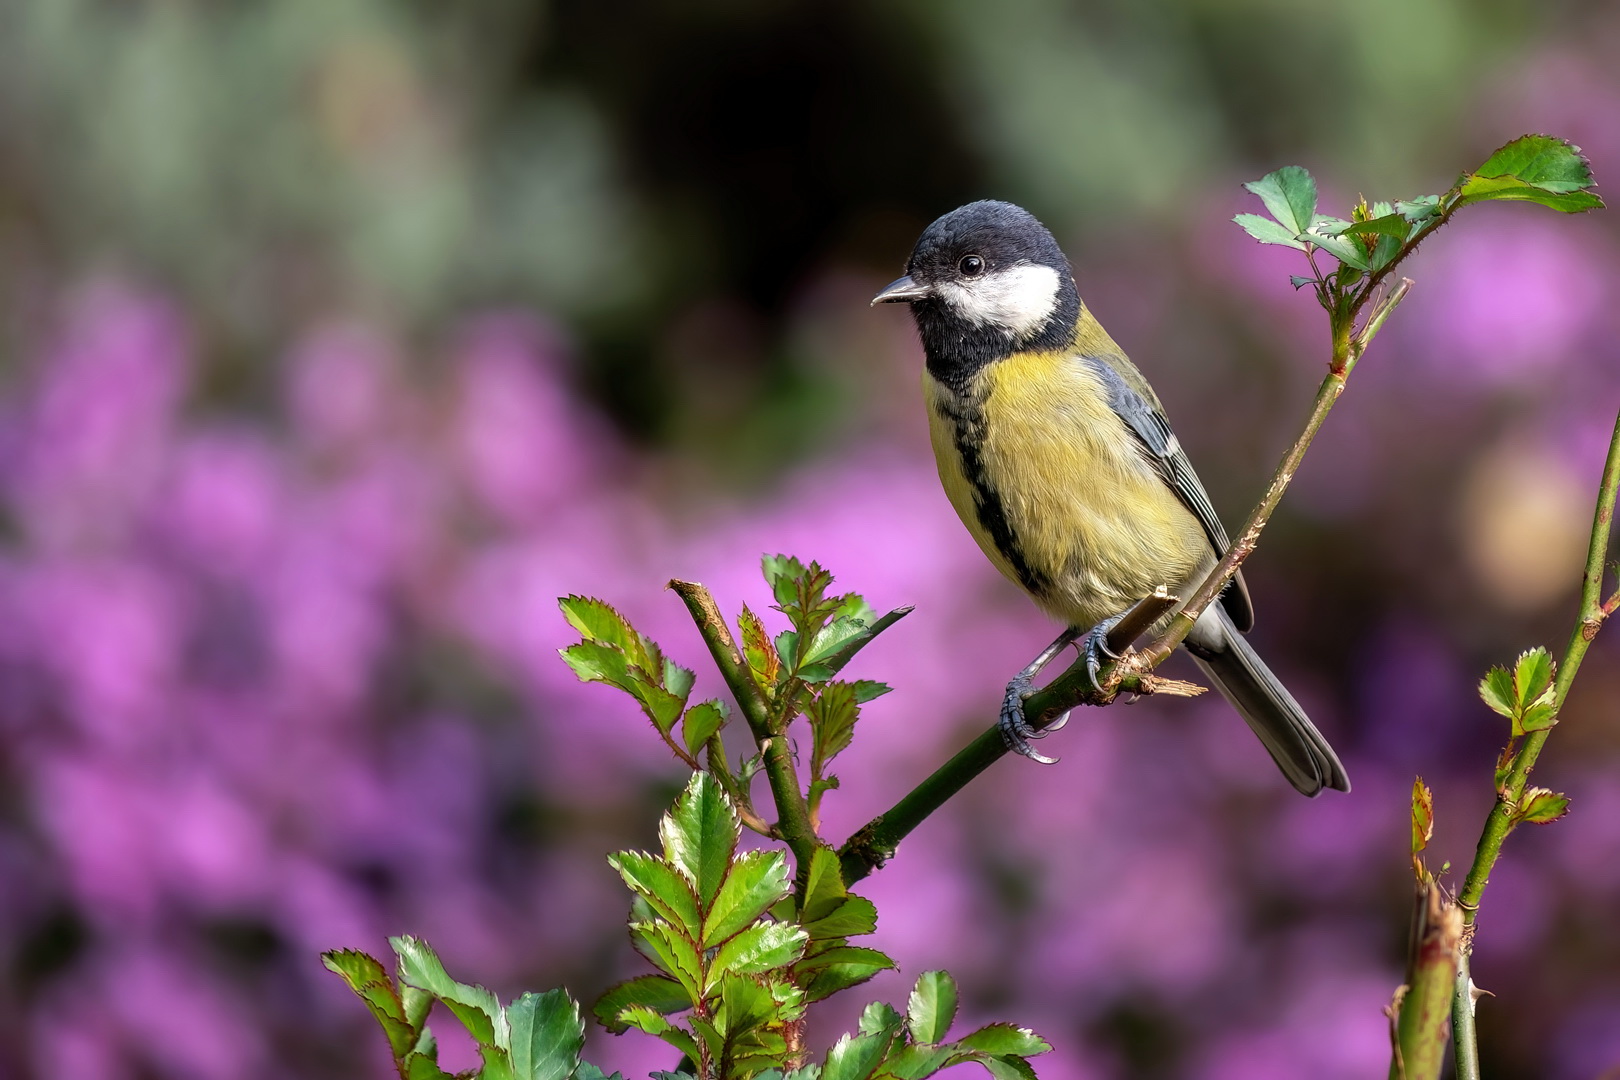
1096, 648
1015, 731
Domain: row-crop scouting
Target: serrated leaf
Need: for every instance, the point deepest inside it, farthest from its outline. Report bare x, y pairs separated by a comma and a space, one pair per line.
845, 955
597, 620
1347, 251
547, 1035
931, 1008
644, 1019
780, 573
824, 884
855, 1057
853, 916
700, 834
1422, 816
763, 660
1538, 168
758, 948
757, 880
1496, 690
915, 1062
1004, 1068
1540, 806
587, 1071
746, 1004
666, 890
827, 981
1532, 676
672, 953
1419, 209
1005, 1039
701, 722
879, 1017
1290, 196
1538, 717
370, 982
594, 661
477, 1009
1299, 282
422, 1067
659, 993
1267, 231
832, 715
678, 680
1389, 225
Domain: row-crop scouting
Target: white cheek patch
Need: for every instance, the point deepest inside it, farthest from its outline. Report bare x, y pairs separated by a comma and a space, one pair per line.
1019, 299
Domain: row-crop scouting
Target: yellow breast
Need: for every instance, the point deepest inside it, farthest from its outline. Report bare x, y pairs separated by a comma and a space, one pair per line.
1085, 524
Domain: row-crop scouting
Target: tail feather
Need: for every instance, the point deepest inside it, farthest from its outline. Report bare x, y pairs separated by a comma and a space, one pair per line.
1260, 698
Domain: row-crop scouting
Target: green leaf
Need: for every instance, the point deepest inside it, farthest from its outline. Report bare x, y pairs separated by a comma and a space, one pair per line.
1419, 209
418, 1003
855, 1058
644, 1019
757, 880
1532, 676
832, 718
846, 955
1299, 282
1422, 815
700, 834
667, 891
931, 1007
1538, 717
757, 649
366, 977
1534, 168
758, 948
598, 621
1289, 195
746, 1004
824, 884
547, 1035
477, 1009
1002, 1068
1496, 690
672, 953
879, 1017
701, 722
1267, 231
678, 680
596, 662
1540, 806
854, 915
423, 1067
587, 1071
781, 571
916, 1061
1390, 225
826, 981
659, 993
1345, 250
1004, 1039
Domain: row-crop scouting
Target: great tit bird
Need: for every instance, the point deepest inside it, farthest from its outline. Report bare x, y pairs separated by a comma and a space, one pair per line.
1058, 458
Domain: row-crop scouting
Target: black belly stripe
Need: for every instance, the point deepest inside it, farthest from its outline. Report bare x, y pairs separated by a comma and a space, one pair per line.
964, 410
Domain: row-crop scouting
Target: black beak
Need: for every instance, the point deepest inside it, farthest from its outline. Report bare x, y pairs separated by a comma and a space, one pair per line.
902, 291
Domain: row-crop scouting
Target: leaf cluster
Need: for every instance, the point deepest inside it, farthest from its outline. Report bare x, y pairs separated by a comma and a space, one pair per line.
1528, 698
1376, 237
536, 1037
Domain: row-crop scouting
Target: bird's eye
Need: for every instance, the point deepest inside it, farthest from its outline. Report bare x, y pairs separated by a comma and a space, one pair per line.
971, 266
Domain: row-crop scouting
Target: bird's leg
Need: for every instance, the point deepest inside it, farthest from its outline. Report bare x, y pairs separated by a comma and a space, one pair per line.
1014, 731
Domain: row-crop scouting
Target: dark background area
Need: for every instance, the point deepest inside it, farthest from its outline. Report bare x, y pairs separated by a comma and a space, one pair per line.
338, 339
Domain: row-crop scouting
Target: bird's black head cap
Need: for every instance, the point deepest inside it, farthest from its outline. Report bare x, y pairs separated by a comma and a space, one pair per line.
984, 281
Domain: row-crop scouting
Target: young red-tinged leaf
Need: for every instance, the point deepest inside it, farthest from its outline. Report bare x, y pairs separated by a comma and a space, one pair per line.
665, 889
932, 1007
700, 834
1540, 806
1289, 195
701, 722
1538, 717
853, 915
761, 655
366, 977
758, 948
1268, 231
1532, 676
1496, 690
1422, 816
1004, 1039
659, 993
757, 880
824, 885
672, 953
547, 1035
477, 1009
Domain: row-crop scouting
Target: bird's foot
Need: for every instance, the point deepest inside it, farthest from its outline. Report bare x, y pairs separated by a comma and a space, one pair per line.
1016, 732
1096, 650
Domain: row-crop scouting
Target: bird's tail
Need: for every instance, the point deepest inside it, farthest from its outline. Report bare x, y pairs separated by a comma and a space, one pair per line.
1261, 699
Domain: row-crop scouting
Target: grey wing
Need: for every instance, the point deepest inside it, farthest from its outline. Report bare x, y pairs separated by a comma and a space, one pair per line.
1147, 422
